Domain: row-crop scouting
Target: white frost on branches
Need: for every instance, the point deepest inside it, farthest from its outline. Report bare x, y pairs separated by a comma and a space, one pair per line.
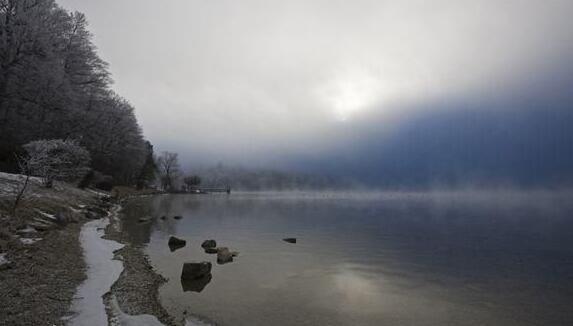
56, 159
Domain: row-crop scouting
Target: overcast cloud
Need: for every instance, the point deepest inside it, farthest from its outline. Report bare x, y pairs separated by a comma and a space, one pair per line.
257, 80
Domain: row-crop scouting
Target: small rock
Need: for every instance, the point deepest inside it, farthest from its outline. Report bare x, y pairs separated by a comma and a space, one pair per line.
290, 240
194, 271
176, 243
209, 244
224, 255
177, 217
144, 220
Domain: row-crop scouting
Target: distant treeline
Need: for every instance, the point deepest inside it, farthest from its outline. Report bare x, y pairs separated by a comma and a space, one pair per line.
265, 179
53, 85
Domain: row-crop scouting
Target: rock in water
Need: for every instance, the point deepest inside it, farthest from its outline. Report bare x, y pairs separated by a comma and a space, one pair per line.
290, 240
176, 243
209, 244
196, 285
163, 217
210, 250
224, 255
195, 271
177, 217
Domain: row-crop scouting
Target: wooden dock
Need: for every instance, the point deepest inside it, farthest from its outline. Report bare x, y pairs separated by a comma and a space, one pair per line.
207, 190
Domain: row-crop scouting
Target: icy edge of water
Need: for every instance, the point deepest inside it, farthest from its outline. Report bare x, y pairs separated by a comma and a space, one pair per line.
102, 271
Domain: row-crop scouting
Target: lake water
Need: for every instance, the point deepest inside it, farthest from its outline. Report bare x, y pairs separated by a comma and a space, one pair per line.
468, 258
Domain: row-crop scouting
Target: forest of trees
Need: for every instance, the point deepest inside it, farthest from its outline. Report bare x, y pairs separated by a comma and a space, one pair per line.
53, 85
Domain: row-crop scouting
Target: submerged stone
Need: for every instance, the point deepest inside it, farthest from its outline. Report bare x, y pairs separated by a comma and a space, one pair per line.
177, 217
290, 240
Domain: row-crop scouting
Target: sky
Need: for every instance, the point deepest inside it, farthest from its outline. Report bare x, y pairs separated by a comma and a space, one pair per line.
346, 86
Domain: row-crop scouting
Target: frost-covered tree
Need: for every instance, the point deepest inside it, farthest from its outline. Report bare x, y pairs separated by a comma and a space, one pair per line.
53, 85
57, 159
168, 165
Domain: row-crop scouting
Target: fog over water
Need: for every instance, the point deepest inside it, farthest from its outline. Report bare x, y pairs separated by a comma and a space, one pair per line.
386, 258
365, 88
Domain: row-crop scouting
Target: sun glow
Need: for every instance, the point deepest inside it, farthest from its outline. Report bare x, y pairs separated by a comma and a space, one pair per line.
349, 95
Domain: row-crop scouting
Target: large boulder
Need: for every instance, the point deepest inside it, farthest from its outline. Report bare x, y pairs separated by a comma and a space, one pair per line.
209, 244
176, 243
195, 271
224, 255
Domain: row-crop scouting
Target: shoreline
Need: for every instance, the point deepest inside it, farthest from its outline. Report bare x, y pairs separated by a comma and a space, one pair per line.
48, 265
134, 294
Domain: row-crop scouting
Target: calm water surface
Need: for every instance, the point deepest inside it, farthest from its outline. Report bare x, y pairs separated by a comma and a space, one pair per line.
366, 259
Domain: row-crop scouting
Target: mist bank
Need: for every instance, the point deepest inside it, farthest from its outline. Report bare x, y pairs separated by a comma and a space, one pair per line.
258, 179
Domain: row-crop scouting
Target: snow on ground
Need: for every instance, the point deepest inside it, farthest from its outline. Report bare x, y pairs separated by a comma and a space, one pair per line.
99, 193
49, 216
122, 319
11, 182
88, 307
27, 230
3, 259
29, 241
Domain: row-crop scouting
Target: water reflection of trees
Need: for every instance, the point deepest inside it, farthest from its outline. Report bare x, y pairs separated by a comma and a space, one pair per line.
133, 229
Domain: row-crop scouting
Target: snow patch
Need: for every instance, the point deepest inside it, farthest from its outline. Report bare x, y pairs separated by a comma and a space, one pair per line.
50, 216
122, 319
99, 193
3, 259
29, 241
88, 307
27, 230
